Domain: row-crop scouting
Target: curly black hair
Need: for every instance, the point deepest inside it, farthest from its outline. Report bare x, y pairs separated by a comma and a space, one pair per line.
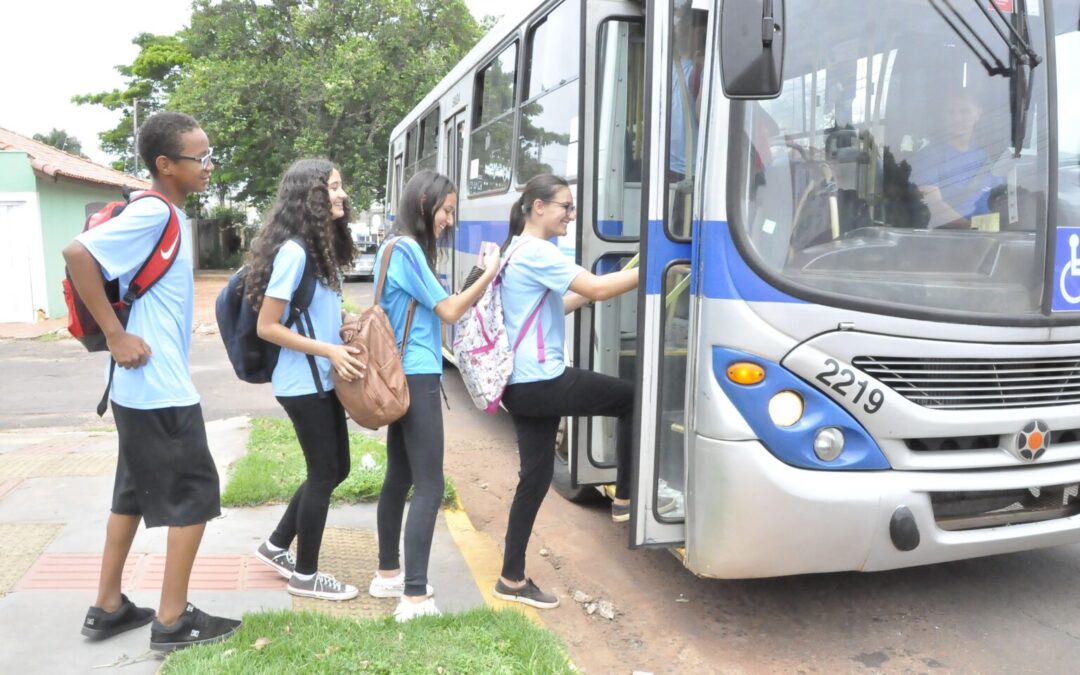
302, 211
160, 136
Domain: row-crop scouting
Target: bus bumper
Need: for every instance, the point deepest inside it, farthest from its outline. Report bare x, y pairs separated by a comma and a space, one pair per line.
751, 515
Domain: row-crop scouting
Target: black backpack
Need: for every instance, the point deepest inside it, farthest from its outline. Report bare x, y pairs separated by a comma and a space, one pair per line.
252, 357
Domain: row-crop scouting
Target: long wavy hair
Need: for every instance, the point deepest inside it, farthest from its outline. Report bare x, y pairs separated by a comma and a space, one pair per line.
421, 199
302, 211
543, 187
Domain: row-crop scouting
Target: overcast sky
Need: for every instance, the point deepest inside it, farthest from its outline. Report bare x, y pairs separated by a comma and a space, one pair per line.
51, 50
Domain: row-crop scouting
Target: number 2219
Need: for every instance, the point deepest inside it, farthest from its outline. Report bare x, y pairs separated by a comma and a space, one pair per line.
845, 378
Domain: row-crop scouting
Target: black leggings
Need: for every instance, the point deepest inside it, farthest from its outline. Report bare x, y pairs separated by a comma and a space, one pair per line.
414, 458
537, 408
324, 437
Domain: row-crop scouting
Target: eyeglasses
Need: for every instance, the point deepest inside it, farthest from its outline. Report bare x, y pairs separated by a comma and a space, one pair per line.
203, 161
569, 206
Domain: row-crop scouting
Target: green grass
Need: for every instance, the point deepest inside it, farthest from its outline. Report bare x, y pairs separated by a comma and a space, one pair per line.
51, 336
349, 306
274, 467
477, 641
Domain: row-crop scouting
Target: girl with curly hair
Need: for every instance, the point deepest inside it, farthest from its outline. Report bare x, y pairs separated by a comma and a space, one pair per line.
308, 226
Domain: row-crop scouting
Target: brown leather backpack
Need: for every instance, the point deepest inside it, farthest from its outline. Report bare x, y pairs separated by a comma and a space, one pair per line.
382, 395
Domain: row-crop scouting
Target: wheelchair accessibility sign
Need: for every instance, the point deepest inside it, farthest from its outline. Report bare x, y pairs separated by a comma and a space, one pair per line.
1067, 270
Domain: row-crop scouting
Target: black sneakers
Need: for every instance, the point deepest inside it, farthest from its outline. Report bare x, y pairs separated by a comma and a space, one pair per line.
529, 594
194, 627
100, 624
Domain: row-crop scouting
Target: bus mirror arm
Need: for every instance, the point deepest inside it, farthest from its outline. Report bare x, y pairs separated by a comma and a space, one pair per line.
768, 24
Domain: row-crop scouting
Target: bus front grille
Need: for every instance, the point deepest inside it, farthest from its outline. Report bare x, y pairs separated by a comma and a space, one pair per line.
974, 384
994, 508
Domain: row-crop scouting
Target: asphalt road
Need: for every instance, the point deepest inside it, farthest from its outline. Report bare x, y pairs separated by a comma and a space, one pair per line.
1007, 614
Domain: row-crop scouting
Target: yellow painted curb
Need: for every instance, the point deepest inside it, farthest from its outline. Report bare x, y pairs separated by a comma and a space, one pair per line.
483, 558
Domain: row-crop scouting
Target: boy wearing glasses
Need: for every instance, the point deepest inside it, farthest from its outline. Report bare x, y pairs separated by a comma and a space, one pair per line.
165, 474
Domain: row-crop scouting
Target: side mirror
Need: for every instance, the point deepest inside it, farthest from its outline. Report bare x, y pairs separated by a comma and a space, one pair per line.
752, 48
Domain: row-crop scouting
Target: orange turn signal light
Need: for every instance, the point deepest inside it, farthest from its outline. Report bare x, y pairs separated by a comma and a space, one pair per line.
745, 373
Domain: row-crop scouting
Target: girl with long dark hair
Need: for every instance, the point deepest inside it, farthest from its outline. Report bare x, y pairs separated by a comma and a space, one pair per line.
539, 285
414, 444
308, 226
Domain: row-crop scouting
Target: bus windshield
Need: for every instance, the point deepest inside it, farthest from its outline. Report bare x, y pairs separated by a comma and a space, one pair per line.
891, 169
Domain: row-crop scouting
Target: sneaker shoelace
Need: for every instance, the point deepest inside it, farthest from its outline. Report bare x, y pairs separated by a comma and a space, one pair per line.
328, 582
286, 558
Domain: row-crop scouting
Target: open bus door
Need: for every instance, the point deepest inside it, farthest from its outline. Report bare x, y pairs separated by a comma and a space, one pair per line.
666, 301
612, 95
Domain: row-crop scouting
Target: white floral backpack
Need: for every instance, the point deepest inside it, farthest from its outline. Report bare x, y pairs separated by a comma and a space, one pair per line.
482, 348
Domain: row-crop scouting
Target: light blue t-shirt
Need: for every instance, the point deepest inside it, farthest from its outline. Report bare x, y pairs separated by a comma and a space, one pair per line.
292, 374
408, 276
537, 267
162, 317
677, 143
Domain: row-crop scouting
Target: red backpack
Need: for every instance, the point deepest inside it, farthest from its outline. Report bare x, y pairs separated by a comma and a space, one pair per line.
81, 323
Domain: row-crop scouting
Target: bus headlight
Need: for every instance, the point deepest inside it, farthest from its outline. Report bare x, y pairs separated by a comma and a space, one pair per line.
785, 408
828, 444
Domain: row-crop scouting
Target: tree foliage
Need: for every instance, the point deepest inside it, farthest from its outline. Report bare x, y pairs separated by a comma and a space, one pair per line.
275, 81
150, 79
59, 138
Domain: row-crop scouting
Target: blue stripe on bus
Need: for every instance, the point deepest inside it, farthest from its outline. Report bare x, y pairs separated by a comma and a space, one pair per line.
470, 234
720, 272
794, 445
610, 228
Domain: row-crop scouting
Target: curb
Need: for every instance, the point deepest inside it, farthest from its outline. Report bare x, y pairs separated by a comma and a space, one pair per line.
483, 558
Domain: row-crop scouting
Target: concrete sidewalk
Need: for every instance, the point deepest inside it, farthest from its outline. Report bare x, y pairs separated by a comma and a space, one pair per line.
55, 491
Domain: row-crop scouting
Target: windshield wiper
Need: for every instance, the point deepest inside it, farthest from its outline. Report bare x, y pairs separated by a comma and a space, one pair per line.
1023, 58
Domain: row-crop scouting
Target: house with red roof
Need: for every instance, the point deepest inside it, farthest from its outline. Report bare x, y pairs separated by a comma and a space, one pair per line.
45, 196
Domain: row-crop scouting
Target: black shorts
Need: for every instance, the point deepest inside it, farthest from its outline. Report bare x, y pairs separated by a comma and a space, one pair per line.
165, 472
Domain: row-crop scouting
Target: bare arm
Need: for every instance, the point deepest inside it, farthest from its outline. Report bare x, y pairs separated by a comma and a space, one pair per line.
573, 301
454, 307
604, 286
271, 329
129, 351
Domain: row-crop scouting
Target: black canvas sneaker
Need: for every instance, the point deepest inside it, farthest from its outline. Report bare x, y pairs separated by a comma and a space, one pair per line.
194, 627
100, 624
529, 594
281, 561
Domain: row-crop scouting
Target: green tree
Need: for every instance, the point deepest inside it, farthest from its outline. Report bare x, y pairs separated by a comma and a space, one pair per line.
59, 138
274, 81
155, 72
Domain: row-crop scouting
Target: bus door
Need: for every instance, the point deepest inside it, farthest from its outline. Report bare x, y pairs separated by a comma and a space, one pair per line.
454, 142
666, 302
609, 214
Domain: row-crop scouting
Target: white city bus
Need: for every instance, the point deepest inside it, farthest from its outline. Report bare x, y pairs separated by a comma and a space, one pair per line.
857, 339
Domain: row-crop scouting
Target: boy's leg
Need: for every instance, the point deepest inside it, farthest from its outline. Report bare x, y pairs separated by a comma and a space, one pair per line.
183, 545
119, 533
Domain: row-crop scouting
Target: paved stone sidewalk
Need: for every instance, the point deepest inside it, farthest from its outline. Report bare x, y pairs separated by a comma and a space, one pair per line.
55, 489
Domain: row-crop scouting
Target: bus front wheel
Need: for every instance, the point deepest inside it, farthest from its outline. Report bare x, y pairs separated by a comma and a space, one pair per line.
561, 480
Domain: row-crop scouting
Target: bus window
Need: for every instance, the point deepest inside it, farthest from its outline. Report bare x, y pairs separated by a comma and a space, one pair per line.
410, 154
687, 64
490, 146
429, 142
620, 129
614, 353
548, 137
671, 434
888, 172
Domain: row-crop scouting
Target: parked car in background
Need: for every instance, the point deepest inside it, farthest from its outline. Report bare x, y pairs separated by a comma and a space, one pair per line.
367, 245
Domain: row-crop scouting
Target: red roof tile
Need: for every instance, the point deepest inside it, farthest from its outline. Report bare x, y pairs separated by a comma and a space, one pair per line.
53, 162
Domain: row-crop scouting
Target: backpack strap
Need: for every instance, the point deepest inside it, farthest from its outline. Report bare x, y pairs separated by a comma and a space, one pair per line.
298, 312
379, 289
163, 255
541, 356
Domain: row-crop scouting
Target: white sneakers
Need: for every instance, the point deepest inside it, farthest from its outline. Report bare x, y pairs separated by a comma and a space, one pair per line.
391, 587
406, 610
